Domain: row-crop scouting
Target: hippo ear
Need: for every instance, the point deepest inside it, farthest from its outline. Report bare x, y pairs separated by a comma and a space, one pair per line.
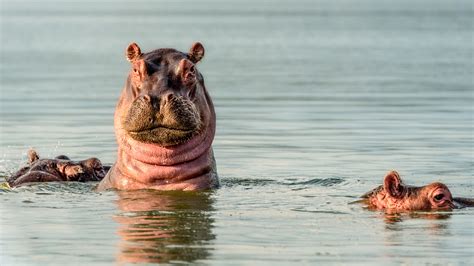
196, 53
392, 184
187, 71
32, 156
133, 52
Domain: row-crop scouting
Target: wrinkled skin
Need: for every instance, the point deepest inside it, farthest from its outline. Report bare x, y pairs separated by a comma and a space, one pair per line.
164, 124
58, 169
393, 195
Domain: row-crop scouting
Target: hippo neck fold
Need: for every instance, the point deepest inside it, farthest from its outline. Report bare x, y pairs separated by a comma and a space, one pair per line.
153, 154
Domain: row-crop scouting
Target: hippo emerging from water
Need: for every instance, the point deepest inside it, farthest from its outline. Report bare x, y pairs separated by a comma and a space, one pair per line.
164, 124
396, 196
60, 168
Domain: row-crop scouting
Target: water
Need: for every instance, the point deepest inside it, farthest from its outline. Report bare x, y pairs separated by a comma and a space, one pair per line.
316, 101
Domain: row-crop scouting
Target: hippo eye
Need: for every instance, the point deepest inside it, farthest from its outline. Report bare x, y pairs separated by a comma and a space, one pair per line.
439, 197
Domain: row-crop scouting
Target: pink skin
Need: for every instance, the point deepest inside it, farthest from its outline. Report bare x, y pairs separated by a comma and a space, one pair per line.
189, 165
393, 195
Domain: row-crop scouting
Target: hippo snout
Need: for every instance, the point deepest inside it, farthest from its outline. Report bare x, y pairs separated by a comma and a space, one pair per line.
168, 119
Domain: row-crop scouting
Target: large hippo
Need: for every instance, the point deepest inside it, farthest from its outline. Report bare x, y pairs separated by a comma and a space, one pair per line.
164, 124
394, 195
60, 168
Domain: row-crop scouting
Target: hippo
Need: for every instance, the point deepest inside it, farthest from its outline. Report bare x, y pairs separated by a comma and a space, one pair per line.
61, 168
394, 195
164, 124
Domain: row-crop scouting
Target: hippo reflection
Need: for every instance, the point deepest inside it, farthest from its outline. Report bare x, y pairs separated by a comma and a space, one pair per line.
60, 168
394, 195
159, 227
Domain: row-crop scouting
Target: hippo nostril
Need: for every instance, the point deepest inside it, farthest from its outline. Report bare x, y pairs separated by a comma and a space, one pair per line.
439, 197
146, 98
169, 97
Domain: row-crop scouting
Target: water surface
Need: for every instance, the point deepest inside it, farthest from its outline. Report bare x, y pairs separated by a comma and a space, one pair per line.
316, 101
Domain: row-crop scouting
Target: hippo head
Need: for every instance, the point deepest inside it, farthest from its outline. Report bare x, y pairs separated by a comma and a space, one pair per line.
395, 195
87, 170
162, 104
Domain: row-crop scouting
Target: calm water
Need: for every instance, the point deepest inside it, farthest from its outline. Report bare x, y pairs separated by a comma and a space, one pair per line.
316, 101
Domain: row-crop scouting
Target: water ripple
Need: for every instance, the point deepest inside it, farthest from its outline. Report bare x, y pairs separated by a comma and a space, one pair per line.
257, 182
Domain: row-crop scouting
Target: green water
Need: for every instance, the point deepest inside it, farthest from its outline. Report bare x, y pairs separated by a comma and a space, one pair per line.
315, 102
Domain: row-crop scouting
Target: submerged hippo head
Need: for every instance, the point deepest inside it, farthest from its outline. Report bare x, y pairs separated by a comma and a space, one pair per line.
164, 123
395, 195
60, 168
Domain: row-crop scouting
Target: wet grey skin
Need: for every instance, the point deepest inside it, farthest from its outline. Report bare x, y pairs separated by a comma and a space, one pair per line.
59, 169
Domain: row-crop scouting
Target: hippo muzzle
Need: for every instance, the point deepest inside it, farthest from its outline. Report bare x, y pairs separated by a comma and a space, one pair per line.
166, 121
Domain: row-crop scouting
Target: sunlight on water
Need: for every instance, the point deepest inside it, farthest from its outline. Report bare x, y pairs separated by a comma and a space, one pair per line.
315, 102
